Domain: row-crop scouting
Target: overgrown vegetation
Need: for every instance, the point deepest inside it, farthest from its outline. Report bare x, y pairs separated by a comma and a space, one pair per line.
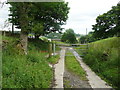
73, 65
25, 71
38, 45
103, 58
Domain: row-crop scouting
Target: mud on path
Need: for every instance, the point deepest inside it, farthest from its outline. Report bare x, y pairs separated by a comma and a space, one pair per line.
71, 80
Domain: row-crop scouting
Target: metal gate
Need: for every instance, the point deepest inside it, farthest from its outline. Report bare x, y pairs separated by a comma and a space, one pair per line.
81, 49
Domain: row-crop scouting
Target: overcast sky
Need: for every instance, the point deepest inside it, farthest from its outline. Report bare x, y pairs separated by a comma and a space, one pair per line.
82, 13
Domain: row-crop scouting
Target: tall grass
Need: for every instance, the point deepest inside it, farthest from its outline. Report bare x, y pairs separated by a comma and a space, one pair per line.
103, 58
25, 71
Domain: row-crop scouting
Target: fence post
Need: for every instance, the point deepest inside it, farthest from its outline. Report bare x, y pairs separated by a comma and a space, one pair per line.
54, 48
1, 60
50, 49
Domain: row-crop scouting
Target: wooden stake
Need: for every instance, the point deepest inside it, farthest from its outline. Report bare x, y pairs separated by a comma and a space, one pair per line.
50, 49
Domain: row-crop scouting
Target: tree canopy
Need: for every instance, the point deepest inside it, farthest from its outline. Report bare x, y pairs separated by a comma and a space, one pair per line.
50, 15
87, 38
69, 36
38, 18
108, 24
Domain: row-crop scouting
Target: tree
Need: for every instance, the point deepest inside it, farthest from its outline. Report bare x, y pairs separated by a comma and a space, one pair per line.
38, 29
37, 18
87, 38
53, 15
83, 39
69, 36
108, 24
19, 17
90, 37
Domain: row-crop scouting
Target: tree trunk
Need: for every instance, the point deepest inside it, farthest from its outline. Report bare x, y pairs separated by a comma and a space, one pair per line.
24, 21
12, 28
24, 41
4, 33
36, 37
50, 50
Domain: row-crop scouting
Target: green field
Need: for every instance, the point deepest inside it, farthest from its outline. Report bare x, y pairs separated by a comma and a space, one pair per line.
103, 57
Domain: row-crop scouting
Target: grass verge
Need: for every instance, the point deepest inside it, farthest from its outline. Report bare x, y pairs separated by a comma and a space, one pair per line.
73, 65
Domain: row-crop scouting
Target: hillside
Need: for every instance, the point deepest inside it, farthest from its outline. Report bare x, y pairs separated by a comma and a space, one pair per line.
103, 57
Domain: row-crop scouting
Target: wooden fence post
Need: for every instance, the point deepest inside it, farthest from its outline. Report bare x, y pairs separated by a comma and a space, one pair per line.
50, 49
54, 48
